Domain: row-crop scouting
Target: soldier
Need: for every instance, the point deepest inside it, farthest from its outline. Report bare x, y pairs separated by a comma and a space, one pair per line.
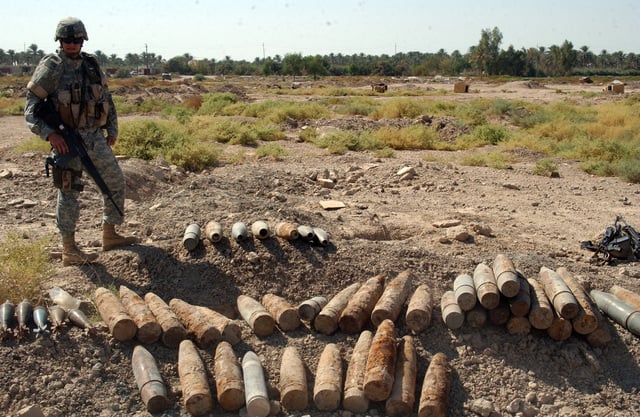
74, 83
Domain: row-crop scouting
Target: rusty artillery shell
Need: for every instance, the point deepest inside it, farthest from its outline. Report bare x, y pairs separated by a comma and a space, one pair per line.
476, 317
541, 313
213, 231
622, 313
7, 316
500, 315
286, 230
255, 387
400, 402
326, 321
229, 330
259, 319
419, 309
228, 376
381, 362
465, 292
260, 229
309, 309
486, 286
434, 396
451, 311
239, 231
506, 276
327, 388
601, 336
293, 381
358, 310
355, 399
392, 299
518, 325
173, 332
628, 296
586, 321
191, 237
150, 383
149, 330
193, 380
285, 314
521, 303
197, 324
560, 328
121, 325
306, 232
321, 236
561, 297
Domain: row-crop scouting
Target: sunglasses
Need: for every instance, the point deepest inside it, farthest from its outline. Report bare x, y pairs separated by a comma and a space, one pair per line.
77, 41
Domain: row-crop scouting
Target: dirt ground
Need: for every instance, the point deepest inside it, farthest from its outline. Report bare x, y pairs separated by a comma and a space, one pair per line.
389, 223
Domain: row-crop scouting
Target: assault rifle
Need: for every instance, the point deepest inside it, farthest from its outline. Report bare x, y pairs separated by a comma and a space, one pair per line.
45, 111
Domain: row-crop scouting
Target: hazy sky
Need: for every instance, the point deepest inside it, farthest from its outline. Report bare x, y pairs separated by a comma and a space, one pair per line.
244, 29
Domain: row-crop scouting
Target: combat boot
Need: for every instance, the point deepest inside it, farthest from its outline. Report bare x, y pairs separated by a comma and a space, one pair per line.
111, 239
72, 255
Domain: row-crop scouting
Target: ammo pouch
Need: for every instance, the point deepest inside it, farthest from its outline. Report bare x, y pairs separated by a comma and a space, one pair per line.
65, 179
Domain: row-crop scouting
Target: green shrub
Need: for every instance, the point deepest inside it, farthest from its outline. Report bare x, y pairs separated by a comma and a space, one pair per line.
271, 150
412, 137
545, 167
629, 170
199, 77
497, 160
194, 156
34, 144
398, 108
24, 265
215, 103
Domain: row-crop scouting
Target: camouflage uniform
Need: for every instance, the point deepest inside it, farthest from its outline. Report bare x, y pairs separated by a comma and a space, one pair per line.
78, 90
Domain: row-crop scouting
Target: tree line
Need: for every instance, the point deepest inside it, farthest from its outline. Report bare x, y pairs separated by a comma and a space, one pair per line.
485, 58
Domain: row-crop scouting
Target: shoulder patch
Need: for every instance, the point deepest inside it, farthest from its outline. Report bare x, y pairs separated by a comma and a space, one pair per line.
46, 76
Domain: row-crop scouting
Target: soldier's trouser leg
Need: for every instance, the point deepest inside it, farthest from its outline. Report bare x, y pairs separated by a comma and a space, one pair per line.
67, 207
107, 165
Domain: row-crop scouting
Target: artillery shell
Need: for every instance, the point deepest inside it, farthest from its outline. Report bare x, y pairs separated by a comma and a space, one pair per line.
309, 309
326, 321
506, 277
486, 286
213, 231
149, 330
40, 318
434, 397
239, 231
193, 380
451, 311
57, 315
121, 325
400, 402
360, 306
287, 231
355, 399
327, 389
257, 317
392, 299
260, 229
293, 380
587, 319
173, 332
285, 314
563, 300
321, 236
255, 386
465, 292
77, 317
228, 377
24, 311
7, 313
381, 363
306, 232
150, 383
191, 237
420, 308
197, 324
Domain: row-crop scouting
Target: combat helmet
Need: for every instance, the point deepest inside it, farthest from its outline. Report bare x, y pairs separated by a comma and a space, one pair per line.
71, 27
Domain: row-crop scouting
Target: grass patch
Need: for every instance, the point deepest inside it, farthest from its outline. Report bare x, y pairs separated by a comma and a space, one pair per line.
408, 138
24, 266
271, 151
496, 160
546, 168
34, 144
